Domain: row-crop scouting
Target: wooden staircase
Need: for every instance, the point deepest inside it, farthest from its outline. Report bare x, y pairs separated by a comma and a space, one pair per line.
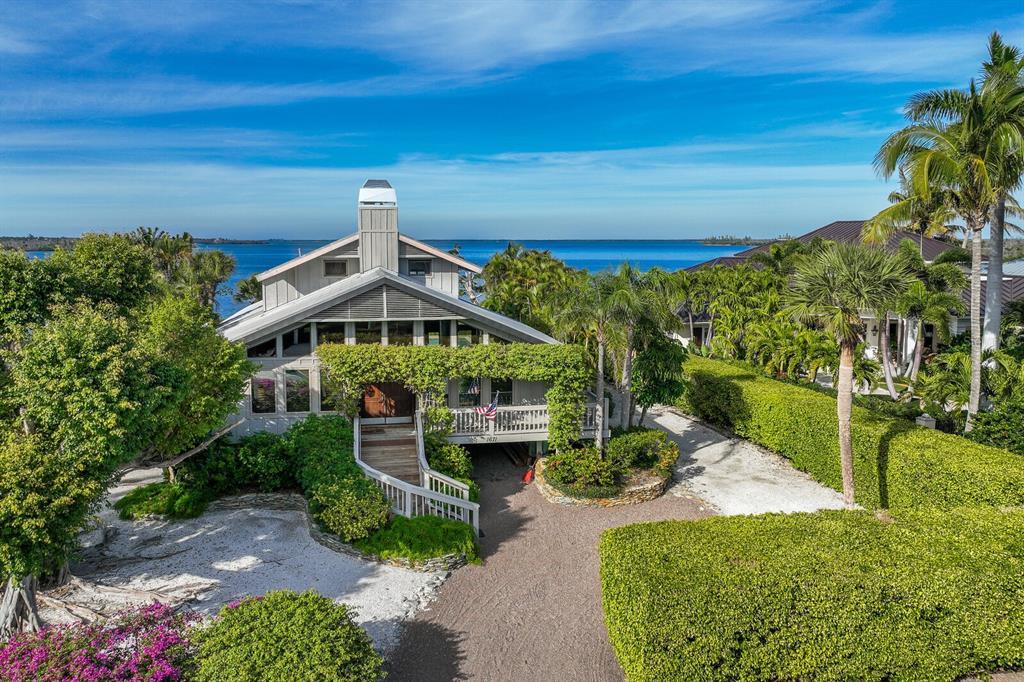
391, 450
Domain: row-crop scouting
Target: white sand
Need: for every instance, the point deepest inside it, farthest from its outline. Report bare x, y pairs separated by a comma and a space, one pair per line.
231, 554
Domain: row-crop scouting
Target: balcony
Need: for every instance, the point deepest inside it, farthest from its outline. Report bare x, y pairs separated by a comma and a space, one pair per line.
514, 423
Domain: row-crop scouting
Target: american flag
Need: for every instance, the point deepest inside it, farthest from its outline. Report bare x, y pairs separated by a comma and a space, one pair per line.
490, 411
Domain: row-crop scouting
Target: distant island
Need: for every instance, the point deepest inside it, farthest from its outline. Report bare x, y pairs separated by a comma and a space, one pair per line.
33, 243
730, 240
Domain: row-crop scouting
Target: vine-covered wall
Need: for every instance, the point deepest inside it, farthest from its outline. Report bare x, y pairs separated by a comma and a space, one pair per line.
425, 370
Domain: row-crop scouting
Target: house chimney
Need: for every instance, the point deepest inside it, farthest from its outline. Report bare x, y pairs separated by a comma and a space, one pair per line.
378, 226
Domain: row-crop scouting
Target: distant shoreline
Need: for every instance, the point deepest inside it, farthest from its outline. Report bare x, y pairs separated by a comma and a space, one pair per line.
32, 243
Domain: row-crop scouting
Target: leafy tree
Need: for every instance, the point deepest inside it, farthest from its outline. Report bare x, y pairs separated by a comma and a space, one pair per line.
26, 291
105, 268
248, 290
524, 283
830, 288
658, 373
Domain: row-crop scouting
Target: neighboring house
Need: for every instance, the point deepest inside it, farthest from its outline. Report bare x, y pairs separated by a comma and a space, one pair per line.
378, 286
903, 336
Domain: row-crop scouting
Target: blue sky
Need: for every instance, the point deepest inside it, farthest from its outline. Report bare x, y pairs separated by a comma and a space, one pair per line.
504, 120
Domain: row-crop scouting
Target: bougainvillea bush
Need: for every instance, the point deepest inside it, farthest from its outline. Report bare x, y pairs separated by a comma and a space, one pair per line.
149, 643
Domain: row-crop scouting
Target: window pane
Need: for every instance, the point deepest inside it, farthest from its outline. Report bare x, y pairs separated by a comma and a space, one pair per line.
335, 268
468, 336
331, 398
266, 349
469, 392
435, 333
502, 388
419, 268
330, 332
264, 394
399, 333
296, 386
295, 343
368, 332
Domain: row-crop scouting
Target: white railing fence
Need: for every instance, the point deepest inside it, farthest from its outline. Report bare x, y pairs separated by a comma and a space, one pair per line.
513, 419
435, 480
412, 500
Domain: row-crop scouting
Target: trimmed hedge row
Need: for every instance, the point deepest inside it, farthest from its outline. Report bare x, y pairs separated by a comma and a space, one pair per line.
896, 464
927, 595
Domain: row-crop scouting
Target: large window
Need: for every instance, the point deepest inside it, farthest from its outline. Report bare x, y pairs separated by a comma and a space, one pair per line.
296, 390
296, 342
264, 393
330, 332
502, 388
435, 333
335, 268
368, 332
399, 333
330, 394
467, 335
264, 349
419, 268
469, 392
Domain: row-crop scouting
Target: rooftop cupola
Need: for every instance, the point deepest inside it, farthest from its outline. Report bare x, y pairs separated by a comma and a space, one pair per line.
378, 226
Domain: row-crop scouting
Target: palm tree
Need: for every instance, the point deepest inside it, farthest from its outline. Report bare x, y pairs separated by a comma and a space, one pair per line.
830, 289
205, 272
632, 298
248, 290
923, 304
954, 147
781, 257
588, 312
928, 215
1004, 73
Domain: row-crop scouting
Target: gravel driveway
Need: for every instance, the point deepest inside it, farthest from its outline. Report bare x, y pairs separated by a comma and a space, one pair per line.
736, 476
532, 611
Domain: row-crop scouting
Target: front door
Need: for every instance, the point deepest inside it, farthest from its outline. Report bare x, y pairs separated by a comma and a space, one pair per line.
387, 402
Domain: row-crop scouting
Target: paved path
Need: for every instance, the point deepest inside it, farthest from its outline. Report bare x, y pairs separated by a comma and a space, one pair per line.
532, 611
736, 476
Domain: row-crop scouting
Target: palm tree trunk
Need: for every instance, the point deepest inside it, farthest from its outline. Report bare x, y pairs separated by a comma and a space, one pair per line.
918, 352
599, 408
689, 316
994, 290
844, 410
974, 401
883, 351
627, 380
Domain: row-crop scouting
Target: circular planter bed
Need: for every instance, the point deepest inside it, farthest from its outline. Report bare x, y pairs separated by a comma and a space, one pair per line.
640, 487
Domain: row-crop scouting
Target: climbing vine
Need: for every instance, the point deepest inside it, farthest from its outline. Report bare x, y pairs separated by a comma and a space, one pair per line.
425, 371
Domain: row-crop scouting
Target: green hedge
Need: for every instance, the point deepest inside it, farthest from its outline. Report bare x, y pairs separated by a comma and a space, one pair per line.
421, 538
927, 595
896, 463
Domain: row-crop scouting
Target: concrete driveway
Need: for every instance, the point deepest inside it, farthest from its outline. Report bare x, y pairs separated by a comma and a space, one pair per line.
735, 476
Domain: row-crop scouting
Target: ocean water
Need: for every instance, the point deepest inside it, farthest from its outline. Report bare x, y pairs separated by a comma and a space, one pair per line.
593, 255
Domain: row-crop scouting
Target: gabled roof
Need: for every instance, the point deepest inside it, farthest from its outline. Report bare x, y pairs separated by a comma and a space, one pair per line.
452, 258
305, 258
849, 231
250, 327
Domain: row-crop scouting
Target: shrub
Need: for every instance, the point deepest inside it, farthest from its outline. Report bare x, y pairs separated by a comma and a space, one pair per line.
322, 446
172, 500
450, 459
421, 538
267, 461
1003, 427
150, 643
582, 472
643, 448
351, 508
896, 464
840, 595
286, 636
217, 470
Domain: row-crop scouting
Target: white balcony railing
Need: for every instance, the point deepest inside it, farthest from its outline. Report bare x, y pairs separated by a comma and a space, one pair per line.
514, 422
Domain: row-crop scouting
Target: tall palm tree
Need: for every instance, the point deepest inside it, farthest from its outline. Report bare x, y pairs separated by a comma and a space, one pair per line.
927, 215
955, 145
632, 298
1004, 73
831, 288
588, 312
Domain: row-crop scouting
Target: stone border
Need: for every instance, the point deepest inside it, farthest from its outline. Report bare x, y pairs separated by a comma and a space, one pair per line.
297, 503
634, 493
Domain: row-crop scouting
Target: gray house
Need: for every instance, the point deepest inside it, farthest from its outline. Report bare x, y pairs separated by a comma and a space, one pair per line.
378, 286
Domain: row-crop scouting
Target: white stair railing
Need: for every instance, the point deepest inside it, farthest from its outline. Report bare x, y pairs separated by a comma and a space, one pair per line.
412, 500
435, 480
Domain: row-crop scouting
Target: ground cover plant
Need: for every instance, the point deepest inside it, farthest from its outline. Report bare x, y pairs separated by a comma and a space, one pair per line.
920, 595
286, 636
896, 464
421, 538
585, 472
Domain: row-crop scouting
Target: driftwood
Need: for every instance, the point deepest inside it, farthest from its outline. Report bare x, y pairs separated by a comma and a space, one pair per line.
88, 602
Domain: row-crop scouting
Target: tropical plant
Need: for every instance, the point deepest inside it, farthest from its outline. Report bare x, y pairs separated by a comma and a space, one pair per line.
928, 215
525, 284
248, 290
831, 288
781, 257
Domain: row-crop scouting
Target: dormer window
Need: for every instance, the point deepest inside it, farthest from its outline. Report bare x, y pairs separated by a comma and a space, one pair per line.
335, 268
419, 268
